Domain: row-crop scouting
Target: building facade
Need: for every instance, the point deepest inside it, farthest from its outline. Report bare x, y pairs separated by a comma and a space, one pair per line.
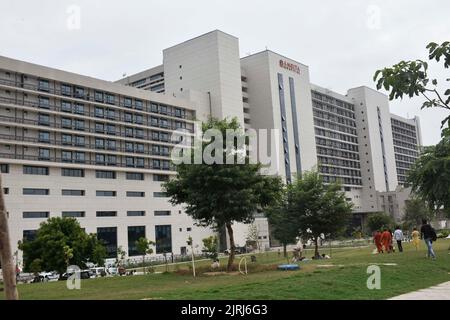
76, 146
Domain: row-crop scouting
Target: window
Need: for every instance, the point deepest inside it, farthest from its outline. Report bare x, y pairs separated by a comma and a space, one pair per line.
140, 162
66, 139
138, 104
109, 237
79, 125
35, 214
163, 237
111, 129
163, 109
73, 214
127, 102
66, 123
44, 119
100, 159
44, 103
79, 108
159, 213
102, 193
110, 99
129, 161
139, 148
98, 96
134, 234
111, 160
73, 193
129, 132
134, 176
138, 118
135, 213
99, 127
76, 173
156, 164
128, 117
106, 213
44, 136
4, 168
136, 194
159, 194
105, 174
66, 90
66, 156
154, 108
43, 85
160, 177
188, 229
79, 92
129, 147
79, 141
44, 154
99, 112
79, 157
29, 235
110, 114
35, 192
99, 143
111, 144
164, 123
154, 121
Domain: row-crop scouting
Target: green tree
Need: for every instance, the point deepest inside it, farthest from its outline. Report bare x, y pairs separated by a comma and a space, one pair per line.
410, 78
218, 194
61, 242
210, 247
281, 222
316, 208
429, 177
144, 247
378, 221
416, 210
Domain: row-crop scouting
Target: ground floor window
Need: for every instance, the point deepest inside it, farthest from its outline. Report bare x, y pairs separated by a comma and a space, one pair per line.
109, 238
163, 238
134, 234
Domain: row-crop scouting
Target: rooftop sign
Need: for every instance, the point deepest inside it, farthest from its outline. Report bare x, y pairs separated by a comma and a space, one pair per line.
289, 66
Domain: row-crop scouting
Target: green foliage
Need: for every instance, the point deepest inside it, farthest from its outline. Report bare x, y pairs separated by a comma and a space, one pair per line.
61, 242
144, 246
379, 221
416, 210
318, 208
210, 247
410, 78
429, 178
217, 195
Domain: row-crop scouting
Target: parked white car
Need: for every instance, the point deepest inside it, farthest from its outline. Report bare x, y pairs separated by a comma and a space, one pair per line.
99, 271
48, 276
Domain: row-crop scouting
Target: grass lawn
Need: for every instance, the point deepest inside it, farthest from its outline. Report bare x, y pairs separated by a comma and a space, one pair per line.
346, 279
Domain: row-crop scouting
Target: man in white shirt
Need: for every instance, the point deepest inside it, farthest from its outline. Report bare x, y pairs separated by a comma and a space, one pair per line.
398, 236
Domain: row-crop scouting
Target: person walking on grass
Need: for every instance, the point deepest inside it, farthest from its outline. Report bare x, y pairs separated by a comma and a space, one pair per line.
415, 238
377, 241
386, 240
398, 236
428, 235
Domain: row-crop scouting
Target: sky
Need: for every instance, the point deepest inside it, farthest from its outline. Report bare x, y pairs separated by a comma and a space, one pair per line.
342, 42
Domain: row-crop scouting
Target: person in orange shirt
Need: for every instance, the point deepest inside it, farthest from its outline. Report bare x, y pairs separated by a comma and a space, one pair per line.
377, 241
386, 240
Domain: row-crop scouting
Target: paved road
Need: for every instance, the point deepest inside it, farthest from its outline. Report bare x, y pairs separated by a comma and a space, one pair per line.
439, 292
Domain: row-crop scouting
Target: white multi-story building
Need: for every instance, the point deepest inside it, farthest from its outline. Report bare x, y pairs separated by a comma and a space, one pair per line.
75, 146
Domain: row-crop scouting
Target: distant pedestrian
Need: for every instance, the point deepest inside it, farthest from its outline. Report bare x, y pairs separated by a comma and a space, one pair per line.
377, 240
415, 238
386, 240
428, 235
398, 236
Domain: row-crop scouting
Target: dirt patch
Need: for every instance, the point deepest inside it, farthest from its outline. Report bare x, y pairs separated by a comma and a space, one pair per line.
221, 273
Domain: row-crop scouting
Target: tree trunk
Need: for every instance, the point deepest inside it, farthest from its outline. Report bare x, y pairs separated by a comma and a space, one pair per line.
232, 247
143, 264
316, 249
285, 250
6, 258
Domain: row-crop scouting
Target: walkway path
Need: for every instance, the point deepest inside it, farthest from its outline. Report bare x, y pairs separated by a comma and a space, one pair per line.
439, 292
